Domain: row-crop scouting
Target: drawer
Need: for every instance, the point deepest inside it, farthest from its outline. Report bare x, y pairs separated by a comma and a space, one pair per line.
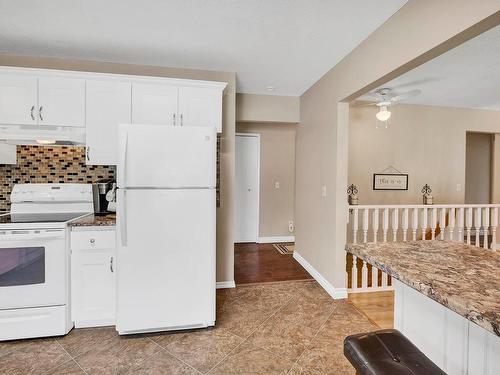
101, 239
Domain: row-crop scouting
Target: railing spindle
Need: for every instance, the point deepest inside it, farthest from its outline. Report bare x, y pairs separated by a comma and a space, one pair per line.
375, 217
468, 223
424, 223
354, 272
451, 225
461, 224
395, 224
477, 225
385, 223
442, 223
366, 225
355, 223
414, 224
405, 224
486, 226
433, 223
494, 224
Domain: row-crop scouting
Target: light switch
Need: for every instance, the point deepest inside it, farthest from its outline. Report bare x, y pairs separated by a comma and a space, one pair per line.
459, 188
277, 185
323, 191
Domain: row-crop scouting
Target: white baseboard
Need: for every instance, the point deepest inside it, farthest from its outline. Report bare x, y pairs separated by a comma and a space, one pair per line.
225, 284
335, 293
276, 239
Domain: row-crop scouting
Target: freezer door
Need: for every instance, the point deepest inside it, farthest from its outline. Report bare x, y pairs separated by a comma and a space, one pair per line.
165, 259
166, 156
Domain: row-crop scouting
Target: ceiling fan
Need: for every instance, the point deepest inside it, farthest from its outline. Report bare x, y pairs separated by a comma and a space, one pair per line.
385, 98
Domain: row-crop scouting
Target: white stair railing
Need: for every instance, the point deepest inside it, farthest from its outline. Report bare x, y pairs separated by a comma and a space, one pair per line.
469, 223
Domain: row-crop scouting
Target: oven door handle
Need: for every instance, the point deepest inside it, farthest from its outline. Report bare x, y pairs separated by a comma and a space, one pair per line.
17, 237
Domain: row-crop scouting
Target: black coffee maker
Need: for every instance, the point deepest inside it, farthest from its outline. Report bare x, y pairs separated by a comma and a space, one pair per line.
99, 190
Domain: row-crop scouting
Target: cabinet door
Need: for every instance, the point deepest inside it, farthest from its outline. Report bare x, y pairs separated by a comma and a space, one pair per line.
200, 107
154, 104
108, 104
92, 288
61, 101
18, 99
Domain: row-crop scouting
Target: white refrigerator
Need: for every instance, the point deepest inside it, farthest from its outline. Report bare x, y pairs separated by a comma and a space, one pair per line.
166, 178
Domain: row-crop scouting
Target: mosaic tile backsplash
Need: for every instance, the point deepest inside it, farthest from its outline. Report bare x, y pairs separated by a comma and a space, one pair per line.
41, 164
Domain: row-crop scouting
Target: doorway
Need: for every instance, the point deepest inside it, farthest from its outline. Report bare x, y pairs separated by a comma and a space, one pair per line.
247, 173
478, 167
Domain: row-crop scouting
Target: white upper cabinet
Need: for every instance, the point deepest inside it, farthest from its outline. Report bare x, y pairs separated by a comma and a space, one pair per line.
200, 106
108, 104
18, 99
61, 101
154, 104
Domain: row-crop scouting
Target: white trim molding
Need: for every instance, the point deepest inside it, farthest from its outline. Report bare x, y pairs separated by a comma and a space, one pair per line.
335, 293
225, 284
276, 239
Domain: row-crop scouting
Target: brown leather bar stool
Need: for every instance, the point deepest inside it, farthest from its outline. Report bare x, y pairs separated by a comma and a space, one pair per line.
387, 352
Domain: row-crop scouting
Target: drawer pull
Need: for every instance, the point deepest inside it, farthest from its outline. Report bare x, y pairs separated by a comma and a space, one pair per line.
111, 265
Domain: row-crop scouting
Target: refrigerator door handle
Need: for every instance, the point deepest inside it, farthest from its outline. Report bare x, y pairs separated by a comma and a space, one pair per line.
122, 215
123, 159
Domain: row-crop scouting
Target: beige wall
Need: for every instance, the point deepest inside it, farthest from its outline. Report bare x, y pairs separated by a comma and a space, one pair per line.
427, 142
277, 164
495, 169
415, 34
478, 167
267, 108
225, 213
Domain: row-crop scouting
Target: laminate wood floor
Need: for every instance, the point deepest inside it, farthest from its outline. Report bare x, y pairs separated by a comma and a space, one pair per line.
261, 263
378, 307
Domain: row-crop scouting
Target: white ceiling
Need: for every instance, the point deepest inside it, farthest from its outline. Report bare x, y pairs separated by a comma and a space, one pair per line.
288, 44
467, 76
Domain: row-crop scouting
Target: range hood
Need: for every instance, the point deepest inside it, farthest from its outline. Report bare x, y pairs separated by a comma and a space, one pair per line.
42, 135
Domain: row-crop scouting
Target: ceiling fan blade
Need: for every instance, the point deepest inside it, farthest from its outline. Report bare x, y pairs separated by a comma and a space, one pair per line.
362, 103
416, 82
405, 95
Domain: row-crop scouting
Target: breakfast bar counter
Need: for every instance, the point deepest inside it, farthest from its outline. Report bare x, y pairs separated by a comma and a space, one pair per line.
447, 300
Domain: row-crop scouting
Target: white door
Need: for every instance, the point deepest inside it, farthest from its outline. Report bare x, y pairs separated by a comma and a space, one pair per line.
166, 156
108, 104
93, 287
61, 101
154, 104
165, 259
18, 99
200, 107
247, 187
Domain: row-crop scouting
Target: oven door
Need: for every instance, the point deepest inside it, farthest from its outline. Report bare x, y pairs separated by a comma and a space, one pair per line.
32, 268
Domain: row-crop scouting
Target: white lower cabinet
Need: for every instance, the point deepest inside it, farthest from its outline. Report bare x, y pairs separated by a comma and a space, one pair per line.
93, 277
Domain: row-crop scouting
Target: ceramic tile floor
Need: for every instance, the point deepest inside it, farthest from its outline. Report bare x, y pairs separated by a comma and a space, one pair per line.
274, 328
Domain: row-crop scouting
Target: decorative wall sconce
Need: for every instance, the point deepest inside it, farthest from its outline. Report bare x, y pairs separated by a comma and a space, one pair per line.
352, 195
427, 197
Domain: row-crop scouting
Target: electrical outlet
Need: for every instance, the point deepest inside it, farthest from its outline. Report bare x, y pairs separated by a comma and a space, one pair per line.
277, 185
290, 226
459, 188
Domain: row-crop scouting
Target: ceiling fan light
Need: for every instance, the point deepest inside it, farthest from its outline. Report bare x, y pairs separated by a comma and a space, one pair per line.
384, 114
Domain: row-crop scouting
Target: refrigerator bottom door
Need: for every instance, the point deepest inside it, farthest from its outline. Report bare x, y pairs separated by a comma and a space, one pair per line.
165, 259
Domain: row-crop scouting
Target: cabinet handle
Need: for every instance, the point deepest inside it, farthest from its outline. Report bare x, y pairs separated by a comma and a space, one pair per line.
111, 265
181, 121
88, 151
174, 119
40, 112
31, 112
92, 241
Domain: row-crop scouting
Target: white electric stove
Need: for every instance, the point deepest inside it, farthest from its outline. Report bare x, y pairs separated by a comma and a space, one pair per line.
35, 259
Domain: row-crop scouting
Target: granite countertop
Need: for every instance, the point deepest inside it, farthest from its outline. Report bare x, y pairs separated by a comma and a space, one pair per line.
465, 279
93, 220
